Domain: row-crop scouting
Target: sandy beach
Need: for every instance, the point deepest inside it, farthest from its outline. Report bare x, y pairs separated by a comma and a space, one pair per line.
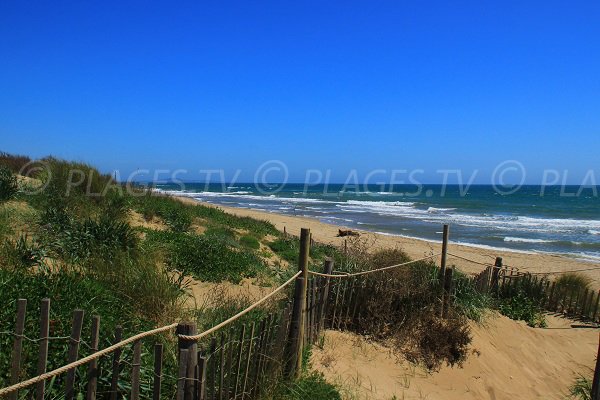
416, 248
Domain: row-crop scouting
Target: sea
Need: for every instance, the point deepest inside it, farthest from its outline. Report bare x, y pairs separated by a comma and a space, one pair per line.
550, 219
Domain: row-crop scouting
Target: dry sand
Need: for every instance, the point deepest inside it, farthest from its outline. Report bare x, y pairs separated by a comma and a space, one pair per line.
509, 361
326, 233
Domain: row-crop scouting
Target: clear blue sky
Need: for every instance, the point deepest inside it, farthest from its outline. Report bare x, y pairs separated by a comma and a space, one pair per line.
336, 85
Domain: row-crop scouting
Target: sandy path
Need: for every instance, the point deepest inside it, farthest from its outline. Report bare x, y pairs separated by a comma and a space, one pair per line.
510, 361
326, 233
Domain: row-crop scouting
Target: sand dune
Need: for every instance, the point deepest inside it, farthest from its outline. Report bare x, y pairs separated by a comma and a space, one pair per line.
509, 361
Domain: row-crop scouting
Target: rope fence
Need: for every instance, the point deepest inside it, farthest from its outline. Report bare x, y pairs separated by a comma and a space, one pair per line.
110, 349
270, 338
340, 274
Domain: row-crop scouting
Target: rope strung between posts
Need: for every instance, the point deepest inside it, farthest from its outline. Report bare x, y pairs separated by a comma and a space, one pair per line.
339, 274
473, 261
84, 360
110, 349
241, 313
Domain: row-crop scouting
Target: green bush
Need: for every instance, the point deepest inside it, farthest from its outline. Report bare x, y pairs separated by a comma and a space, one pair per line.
21, 253
401, 307
289, 250
468, 300
572, 284
522, 307
250, 242
75, 240
217, 216
8, 184
310, 386
207, 258
175, 214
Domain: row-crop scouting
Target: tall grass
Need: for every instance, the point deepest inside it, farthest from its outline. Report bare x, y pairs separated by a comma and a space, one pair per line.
8, 184
207, 258
15, 163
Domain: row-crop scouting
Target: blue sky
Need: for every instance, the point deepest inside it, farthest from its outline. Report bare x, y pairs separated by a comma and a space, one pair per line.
318, 85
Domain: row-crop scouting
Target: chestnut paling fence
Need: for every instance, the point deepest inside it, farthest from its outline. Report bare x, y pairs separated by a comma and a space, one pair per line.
235, 360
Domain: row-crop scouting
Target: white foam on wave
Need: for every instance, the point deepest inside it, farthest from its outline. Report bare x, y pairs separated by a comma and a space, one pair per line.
434, 215
525, 240
439, 209
486, 221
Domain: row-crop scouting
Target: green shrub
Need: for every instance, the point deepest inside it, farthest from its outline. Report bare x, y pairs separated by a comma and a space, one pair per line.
8, 184
217, 216
570, 285
310, 386
286, 248
21, 253
175, 214
289, 249
522, 307
207, 257
250, 242
468, 300
75, 240
401, 307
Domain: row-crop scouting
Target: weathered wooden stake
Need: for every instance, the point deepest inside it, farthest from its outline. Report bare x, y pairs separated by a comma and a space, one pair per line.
73, 352
296, 336
15, 366
181, 378
93, 365
202, 366
116, 365
446, 233
158, 359
239, 361
135, 370
495, 272
43, 352
191, 347
327, 269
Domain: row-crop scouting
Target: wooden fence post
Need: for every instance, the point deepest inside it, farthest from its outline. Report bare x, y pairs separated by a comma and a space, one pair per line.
296, 334
446, 233
93, 365
202, 366
73, 352
116, 365
328, 269
495, 272
158, 359
596, 381
15, 366
43, 352
135, 370
187, 361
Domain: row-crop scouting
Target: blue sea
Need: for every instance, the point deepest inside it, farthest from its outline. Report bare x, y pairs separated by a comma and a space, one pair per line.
552, 219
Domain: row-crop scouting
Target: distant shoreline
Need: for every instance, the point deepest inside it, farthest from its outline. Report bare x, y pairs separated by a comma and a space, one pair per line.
533, 262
